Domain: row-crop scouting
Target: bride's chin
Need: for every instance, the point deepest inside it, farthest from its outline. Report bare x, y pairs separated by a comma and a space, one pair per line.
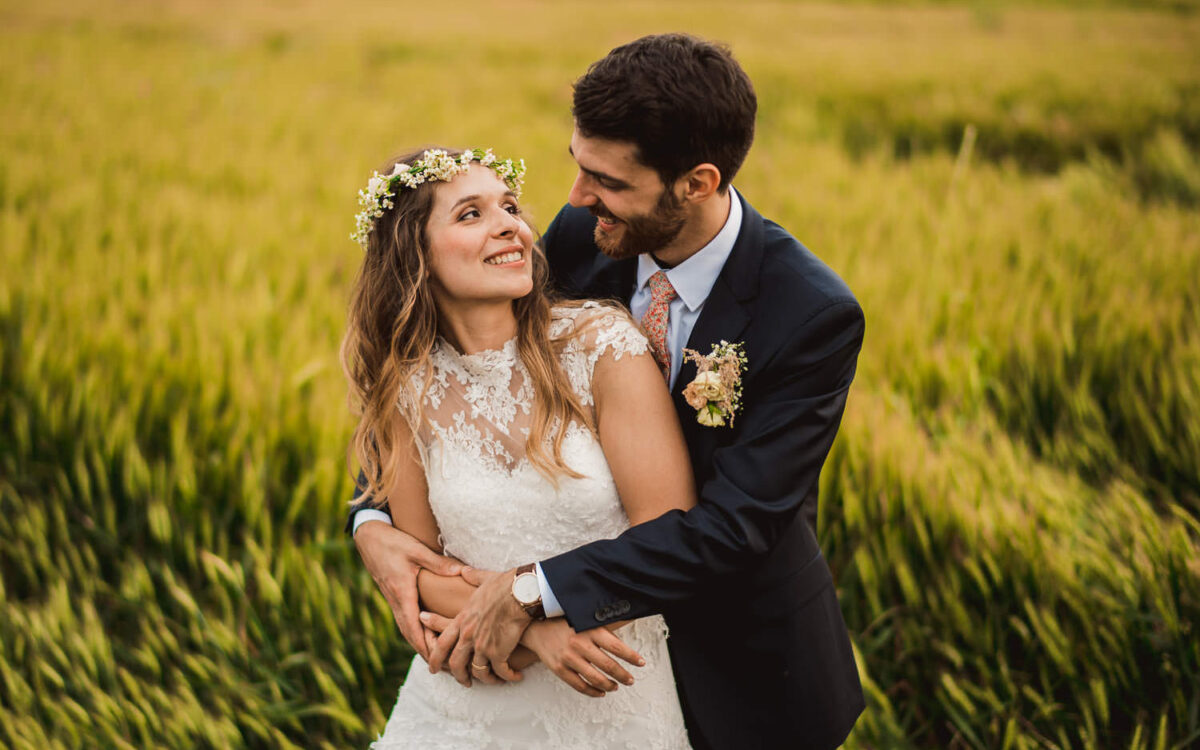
523, 291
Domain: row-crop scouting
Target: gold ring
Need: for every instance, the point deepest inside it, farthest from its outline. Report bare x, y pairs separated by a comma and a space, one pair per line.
480, 667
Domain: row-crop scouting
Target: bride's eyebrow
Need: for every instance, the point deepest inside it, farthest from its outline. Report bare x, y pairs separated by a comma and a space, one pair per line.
471, 198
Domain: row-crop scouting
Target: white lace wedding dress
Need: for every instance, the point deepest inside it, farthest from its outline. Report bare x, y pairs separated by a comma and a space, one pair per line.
495, 512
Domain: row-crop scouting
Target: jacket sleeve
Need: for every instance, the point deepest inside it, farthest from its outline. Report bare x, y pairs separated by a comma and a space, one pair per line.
357, 505
758, 484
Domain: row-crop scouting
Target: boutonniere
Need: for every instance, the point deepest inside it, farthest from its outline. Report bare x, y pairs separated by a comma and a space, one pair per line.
716, 391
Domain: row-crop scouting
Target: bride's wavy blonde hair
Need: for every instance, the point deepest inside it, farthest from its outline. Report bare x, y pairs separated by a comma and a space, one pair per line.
393, 326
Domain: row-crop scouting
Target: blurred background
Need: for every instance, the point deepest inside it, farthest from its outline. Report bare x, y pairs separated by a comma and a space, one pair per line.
1011, 508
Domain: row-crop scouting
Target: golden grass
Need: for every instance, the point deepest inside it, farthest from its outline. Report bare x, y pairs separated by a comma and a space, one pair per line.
1010, 510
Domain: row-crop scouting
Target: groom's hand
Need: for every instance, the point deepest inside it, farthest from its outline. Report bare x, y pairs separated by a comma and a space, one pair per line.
490, 624
393, 559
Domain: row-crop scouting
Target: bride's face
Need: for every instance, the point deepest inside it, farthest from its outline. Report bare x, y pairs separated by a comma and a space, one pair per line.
480, 249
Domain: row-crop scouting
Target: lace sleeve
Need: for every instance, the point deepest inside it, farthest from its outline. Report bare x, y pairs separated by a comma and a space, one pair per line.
407, 404
614, 332
595, 330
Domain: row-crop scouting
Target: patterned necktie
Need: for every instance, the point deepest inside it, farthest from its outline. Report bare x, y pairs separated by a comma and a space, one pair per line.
655, 320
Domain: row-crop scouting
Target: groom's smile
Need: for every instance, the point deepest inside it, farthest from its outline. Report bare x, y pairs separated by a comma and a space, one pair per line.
605, 220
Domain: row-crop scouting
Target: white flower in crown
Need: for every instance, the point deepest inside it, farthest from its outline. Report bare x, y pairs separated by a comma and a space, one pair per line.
434, 164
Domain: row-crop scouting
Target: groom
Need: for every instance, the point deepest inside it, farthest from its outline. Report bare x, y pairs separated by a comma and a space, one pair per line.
761, 655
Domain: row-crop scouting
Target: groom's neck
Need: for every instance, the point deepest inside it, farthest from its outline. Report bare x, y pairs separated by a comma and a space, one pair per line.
706, 221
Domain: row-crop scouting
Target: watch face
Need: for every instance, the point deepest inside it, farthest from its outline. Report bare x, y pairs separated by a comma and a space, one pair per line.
525, 588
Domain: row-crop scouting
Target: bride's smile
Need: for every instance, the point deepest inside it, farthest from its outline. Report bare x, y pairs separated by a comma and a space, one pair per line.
508, 258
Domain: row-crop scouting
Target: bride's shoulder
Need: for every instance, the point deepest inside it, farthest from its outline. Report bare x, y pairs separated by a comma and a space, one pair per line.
594, 317
571, 313
595, 327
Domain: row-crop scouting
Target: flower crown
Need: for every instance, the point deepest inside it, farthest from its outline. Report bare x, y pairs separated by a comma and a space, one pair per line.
434, 164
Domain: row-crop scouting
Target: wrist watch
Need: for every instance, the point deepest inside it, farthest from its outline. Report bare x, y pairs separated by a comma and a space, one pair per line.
527, 592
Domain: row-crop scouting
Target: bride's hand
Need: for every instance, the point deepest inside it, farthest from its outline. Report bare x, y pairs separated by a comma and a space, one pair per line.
521, 658
488, 627
582, 660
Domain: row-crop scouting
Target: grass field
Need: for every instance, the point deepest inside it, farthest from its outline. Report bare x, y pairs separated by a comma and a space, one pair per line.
1012, 509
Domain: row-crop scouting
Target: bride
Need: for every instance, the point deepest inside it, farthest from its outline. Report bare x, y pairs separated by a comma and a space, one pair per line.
504, 428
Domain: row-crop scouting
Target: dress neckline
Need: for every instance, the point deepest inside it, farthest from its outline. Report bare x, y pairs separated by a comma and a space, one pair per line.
483, 361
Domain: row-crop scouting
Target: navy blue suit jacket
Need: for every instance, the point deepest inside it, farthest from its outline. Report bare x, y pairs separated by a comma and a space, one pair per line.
761, 654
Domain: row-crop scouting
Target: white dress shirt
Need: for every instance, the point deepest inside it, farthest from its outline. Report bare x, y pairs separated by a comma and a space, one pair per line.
693, 279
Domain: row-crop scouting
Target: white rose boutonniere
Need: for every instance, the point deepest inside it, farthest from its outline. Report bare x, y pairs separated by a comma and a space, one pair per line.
716, 391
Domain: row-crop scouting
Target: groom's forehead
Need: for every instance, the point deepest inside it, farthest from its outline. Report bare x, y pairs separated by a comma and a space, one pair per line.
603, 157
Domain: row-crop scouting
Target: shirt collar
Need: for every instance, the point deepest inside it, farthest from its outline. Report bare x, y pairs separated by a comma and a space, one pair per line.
693, 279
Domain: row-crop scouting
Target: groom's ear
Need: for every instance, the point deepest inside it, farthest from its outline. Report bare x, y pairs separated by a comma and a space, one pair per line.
700, 182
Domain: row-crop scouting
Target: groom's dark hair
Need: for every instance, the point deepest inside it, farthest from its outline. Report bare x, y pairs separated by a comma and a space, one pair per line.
679, 99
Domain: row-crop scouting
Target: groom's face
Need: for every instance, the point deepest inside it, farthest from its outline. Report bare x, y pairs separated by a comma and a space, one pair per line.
635, 213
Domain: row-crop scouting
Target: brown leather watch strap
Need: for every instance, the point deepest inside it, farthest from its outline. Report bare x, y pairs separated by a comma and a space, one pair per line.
536, 610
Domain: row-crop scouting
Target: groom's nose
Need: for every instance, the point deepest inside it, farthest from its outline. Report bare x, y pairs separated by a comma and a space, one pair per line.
581, 195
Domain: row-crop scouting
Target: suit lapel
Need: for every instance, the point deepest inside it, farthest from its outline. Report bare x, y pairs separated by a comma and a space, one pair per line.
726, 313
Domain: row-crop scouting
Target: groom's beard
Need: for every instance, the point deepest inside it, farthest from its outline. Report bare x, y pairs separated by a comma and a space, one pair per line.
641, 234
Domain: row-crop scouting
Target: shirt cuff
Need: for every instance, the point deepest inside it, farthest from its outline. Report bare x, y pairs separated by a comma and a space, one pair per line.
549, 600
369, 514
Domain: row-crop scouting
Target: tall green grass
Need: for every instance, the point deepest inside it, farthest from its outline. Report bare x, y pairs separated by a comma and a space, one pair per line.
1011, 508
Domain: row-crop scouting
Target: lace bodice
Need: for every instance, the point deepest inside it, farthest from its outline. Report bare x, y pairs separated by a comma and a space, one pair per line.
482, 488
496, 511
